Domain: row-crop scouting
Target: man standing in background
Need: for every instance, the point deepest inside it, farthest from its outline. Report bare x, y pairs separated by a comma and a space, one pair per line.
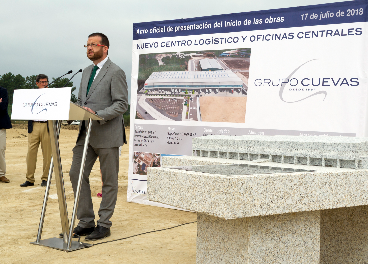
103, 91
4, 124
38, 132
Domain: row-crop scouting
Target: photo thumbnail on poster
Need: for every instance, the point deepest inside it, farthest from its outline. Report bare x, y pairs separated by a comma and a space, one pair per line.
208, 86
143, 160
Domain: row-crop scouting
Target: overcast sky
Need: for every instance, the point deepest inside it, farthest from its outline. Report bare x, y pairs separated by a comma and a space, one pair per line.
44, 36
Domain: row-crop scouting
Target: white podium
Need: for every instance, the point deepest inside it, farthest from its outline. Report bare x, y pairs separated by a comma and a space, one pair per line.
54, 105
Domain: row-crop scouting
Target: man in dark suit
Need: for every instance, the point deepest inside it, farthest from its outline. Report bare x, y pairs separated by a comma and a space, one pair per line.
103, 91
4, 124
38, 133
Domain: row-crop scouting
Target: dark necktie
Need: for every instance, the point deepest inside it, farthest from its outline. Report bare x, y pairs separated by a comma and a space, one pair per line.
91, 78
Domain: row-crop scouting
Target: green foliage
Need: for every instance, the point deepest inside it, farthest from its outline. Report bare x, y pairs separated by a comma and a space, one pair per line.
148, 60
11, 82
126, 120
128, 110
126, 117
64, 82
175, 60
148, 63
217, 53
30, 82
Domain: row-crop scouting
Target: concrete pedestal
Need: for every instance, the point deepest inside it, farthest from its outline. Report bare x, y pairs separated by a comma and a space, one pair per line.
272, 200
344, 235
328, 237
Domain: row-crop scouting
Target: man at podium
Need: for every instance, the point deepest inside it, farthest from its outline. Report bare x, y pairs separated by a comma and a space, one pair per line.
103, 91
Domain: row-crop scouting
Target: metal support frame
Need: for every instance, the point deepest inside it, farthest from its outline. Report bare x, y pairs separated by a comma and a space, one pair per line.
76, 200
65, 243
45, 198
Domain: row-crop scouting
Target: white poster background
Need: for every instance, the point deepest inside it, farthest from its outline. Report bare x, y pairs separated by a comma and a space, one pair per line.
340, 106
41, 104
344, 107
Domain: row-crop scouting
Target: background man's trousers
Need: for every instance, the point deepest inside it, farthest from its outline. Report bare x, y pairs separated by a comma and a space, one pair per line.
38, 135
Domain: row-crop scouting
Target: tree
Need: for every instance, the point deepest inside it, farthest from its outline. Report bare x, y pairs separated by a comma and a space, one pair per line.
18, 81
64, 82
6, 80
11, 82
30, 82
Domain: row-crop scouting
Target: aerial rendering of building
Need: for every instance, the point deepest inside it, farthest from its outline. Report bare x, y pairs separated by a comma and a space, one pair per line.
210, 65
179, 82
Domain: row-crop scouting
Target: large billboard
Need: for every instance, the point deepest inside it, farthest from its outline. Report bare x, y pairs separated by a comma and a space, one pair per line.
294, 71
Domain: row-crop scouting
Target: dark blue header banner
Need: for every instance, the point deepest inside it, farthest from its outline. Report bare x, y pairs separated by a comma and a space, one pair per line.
336, 13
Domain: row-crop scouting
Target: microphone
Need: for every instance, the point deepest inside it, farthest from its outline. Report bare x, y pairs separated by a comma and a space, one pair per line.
71, 77
69, 72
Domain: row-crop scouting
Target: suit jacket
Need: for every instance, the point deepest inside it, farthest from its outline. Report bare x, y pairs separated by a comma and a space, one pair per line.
108, 95
4, 117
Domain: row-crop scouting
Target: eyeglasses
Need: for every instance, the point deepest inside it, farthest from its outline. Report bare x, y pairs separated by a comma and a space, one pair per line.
43, 81
94, 45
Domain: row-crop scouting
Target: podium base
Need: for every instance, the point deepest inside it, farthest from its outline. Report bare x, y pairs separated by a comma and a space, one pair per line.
58, 243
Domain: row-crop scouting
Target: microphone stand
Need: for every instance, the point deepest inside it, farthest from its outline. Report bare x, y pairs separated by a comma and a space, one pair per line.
68, 82
71, 77
58, 78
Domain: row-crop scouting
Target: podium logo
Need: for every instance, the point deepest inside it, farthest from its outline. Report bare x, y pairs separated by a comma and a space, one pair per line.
36, 109
306, 84
38, 106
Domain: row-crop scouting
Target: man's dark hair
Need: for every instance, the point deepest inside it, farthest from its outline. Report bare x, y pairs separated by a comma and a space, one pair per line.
41, 76
104, 39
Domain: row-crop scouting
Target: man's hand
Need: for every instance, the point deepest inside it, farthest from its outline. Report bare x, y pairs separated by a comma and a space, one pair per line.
89, 110
1, 100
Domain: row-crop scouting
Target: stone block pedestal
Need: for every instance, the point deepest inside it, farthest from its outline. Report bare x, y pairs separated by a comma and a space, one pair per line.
328, 236
272, 199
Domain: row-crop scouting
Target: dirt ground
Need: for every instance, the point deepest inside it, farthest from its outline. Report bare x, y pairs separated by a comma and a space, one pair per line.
21, 209
223, 109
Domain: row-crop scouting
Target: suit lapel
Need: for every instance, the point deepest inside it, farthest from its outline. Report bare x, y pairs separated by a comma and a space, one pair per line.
98, 78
